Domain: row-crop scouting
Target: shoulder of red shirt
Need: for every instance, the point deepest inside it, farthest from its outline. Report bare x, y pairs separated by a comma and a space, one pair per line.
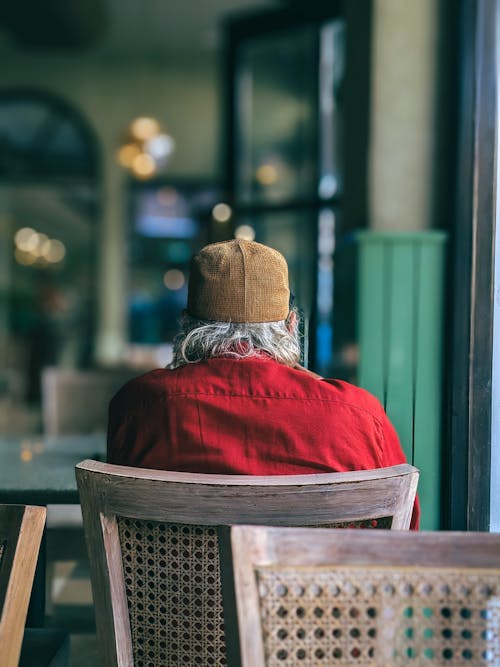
146, 386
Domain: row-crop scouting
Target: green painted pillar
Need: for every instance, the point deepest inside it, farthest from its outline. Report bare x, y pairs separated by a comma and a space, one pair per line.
400, 323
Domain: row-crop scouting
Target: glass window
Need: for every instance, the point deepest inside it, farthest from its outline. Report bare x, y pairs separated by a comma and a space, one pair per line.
169, 222
288, 160
277, 79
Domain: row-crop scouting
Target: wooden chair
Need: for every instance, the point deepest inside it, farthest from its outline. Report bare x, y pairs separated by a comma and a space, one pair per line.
383, 598
153, 546
21, 530
75, 402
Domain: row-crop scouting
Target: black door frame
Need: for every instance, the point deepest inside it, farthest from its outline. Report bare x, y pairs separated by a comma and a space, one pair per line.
471, 350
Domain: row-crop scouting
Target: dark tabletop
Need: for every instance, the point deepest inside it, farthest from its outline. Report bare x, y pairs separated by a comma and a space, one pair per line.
40, 470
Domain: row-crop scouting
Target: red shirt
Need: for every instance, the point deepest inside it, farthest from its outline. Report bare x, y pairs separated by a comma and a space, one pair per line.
250, 416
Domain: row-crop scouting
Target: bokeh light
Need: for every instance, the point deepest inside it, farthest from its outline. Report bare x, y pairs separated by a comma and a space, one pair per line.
144, 128
143, 165
127, 153
267, 174
24, 258
244, 232
174, 279
160, 147
146, 147
55, 251
35, 248
26, 455
26, 239
222, 212
41, 240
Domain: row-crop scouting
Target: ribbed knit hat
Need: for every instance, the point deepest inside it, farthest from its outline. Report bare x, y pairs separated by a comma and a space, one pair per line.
238, 281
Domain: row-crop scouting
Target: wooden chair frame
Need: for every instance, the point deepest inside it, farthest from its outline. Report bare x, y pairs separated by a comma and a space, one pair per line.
110, 491
21, 530
245, 548
75, 401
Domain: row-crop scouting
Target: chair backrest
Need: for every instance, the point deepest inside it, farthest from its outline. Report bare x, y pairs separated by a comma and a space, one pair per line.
351, 597
21, 530
76, 401
153, 546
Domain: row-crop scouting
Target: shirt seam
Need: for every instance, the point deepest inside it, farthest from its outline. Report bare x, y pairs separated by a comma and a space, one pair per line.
281, 398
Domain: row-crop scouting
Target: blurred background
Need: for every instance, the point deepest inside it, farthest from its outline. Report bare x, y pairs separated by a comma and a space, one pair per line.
358, 137
133, 133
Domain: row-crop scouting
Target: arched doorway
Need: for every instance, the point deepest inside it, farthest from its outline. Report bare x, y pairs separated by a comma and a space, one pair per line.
49, 174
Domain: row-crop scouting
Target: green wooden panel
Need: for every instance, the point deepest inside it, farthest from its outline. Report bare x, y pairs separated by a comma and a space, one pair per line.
399, 336
428, 368
371, 297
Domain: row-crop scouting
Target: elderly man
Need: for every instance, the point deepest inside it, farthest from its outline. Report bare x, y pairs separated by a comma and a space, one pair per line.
235, 399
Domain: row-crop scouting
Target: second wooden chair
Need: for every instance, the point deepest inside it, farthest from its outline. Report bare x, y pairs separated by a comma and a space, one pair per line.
384, 599
21, 530
153, 546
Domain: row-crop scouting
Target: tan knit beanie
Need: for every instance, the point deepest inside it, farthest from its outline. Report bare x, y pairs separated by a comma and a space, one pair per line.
238, 281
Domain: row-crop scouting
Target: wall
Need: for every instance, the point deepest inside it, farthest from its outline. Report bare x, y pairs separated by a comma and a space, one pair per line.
110, 90
401, 171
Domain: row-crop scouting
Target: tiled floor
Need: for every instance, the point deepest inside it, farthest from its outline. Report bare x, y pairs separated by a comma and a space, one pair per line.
71, 609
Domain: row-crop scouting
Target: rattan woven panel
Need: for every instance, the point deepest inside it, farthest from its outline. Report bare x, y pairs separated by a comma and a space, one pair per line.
380, 617
172, 580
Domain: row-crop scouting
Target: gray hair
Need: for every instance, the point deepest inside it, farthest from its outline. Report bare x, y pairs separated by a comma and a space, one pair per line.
202, 339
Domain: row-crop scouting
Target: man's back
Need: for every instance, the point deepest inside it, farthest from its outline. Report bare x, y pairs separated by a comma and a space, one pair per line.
248, 416
235, 401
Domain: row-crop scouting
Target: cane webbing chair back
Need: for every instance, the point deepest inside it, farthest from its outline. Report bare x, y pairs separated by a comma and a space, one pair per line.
384, 599
21, 530
153, 546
